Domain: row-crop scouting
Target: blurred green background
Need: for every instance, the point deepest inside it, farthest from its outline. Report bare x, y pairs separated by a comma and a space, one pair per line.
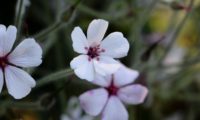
164, 36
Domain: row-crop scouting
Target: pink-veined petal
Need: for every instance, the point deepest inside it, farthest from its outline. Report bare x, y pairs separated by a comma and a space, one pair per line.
125, 76
27, 54
106, 65
18, 82
79, 40
114, 110
115, 45
1, 80
93, 101
83, 68
96, 31
133, 94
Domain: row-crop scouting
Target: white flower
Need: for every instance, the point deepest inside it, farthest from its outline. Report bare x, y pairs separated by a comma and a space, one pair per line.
27, 54
74, 111
97, 54
116, 88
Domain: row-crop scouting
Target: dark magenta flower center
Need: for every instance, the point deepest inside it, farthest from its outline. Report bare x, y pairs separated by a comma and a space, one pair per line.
112, 89
94, 52
3, 62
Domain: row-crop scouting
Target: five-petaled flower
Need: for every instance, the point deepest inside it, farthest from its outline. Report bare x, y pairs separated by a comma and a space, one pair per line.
116, 88
27, 54
97, 54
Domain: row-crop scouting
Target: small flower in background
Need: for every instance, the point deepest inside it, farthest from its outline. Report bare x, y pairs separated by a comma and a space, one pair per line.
97, 54
117, 88
74, 111
175, 116
27, 54
174, 58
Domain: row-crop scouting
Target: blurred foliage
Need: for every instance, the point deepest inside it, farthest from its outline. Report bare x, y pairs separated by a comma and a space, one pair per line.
173, 79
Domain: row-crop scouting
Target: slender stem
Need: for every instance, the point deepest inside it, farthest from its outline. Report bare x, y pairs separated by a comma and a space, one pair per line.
59, 23
54, 27
92, 12
175, 35
136, 40
19, 13
19, 16
21, 105
54, 77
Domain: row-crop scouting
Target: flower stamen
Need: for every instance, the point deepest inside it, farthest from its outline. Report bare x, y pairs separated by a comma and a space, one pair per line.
94, 52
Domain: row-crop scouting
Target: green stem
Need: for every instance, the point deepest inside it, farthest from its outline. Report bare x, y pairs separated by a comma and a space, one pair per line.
54, 27
21, 105
54, 77
94, 13
136, 40
18, 13
175, 34
59, 23
19, 17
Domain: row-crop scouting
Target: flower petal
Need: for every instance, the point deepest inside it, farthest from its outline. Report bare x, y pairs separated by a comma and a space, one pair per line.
11, 37
93, 101
133, 94
125, 76
7, 39
114, 110
78, 61
79, 40
96, 31
115, 45
103, 81
106, 65
3, 41
27, 54
18, 82
1, 80
83, 68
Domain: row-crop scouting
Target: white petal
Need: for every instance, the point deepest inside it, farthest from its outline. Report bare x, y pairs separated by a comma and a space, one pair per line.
114, 110
125, 76
133, 94
93, 101
96, 31
103, 81
11, 37
83, 68
3, 41
115, 45
18, 82
106, 65
78, 61
79, 40
7, 39
1, 80
27, 54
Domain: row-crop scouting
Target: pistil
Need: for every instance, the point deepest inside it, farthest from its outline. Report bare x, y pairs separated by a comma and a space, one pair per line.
94, 52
